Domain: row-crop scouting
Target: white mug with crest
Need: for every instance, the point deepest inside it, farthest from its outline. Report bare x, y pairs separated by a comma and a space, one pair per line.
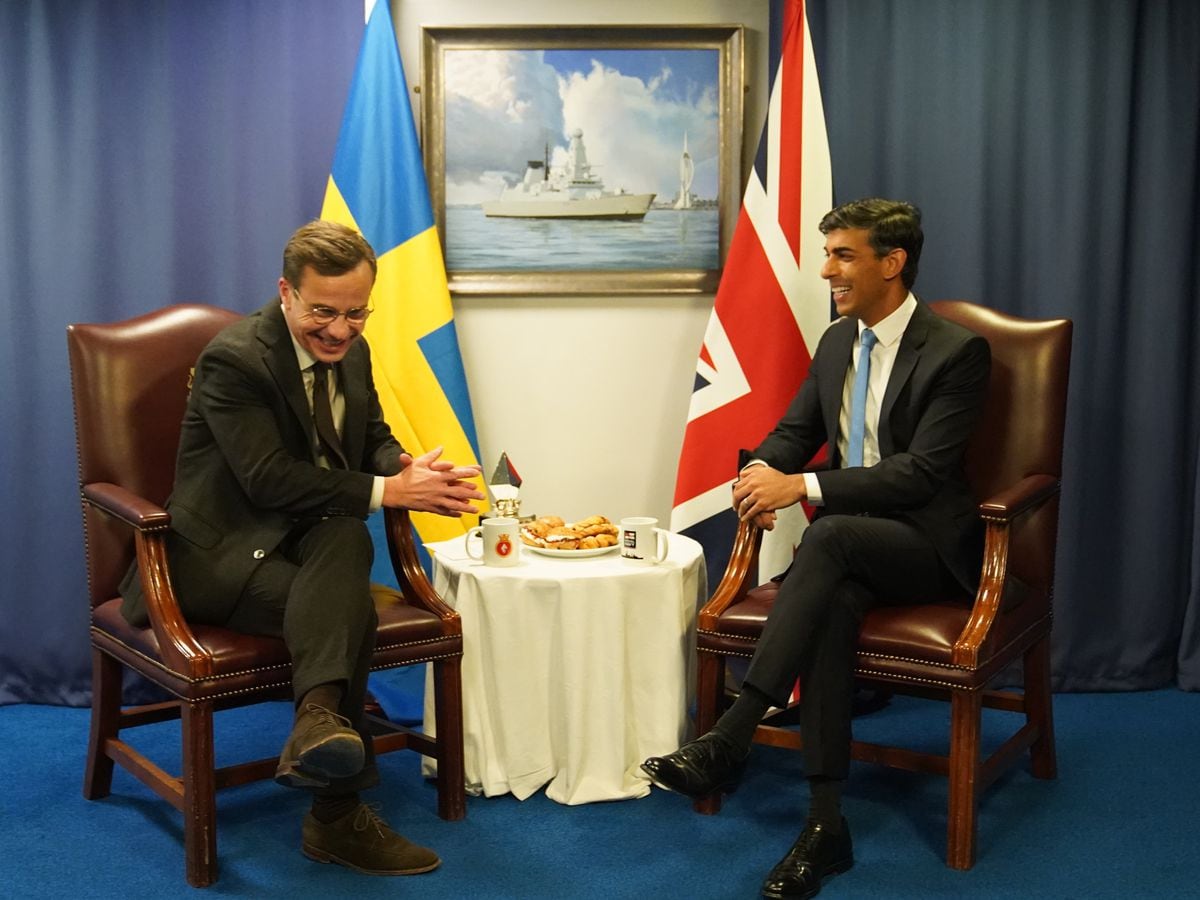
501, 540
641, 541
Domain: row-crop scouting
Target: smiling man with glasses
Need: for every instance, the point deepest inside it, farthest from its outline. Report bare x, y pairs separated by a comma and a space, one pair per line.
283, 453
333, 315
324, 315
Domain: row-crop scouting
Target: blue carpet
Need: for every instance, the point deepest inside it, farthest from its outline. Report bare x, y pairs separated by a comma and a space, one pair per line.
1119, 822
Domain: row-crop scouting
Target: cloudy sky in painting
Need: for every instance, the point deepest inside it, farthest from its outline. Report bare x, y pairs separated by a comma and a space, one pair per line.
503, 106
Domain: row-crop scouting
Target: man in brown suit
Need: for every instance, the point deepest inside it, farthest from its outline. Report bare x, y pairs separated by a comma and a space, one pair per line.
283, 453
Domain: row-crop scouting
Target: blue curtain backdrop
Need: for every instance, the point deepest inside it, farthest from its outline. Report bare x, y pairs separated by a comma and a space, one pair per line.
153, 152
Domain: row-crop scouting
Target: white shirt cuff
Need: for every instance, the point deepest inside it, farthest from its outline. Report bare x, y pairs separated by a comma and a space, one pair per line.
376, 494
812, 485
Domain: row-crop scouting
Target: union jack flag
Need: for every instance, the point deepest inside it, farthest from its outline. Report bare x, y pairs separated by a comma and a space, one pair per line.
771, 307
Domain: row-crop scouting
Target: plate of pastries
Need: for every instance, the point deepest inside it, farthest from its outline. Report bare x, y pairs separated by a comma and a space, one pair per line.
551, 536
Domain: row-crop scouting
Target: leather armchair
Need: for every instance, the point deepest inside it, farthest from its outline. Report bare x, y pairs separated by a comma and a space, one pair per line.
950, 651
130, 382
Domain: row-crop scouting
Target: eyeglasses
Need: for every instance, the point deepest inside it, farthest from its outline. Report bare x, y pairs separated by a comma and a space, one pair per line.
327, 315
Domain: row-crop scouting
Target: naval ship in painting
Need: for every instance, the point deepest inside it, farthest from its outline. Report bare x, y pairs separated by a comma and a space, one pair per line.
572, 191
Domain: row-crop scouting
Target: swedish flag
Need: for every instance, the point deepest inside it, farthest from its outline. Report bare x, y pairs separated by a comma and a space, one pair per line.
378, 187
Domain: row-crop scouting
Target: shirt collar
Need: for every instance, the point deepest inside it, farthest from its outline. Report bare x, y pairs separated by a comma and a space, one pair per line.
891, 328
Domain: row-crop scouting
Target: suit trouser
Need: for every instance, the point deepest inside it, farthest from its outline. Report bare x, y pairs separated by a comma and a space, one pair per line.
314, 591
845, 566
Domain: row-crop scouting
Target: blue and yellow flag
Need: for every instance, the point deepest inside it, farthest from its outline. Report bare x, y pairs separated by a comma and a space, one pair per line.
378, 187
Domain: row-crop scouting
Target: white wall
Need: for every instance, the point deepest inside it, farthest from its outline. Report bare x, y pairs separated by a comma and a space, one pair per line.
587, 395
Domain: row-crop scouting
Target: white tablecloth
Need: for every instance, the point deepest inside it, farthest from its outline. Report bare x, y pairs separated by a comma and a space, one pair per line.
574, 670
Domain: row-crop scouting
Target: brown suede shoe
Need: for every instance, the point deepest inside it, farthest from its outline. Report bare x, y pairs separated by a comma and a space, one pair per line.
363, 842
322, 746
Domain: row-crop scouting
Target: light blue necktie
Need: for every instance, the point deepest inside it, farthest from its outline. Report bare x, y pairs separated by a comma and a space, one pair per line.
858, 399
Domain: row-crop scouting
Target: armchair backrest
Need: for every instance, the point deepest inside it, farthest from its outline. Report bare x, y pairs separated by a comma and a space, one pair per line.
130, 382
1021, 432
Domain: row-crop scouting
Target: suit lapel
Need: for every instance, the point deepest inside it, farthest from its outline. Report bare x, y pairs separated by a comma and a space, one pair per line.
912, 343
833, 380
279, 356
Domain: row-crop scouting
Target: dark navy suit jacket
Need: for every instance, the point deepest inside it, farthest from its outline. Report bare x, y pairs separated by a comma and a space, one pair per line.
933, 400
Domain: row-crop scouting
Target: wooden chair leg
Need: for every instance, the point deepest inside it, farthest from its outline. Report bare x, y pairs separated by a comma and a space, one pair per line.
106, 717
1039, 710
199, 794
710, 683
451, 776
965, 723
710, 687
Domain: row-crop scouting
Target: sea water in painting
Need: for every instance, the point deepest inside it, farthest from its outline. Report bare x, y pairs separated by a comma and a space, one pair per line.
581, 159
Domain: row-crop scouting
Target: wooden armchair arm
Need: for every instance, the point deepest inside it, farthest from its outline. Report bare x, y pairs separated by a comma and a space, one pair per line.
135, 511
150, 522
743, 565
999, 588
743, 561
414, 583
1030, 492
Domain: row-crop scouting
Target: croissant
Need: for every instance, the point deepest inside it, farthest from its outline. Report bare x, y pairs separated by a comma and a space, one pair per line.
563, 533
551, 532
593, 530
537, 528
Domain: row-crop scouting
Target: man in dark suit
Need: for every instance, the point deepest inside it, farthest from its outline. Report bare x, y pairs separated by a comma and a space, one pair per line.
283, 453
895, 391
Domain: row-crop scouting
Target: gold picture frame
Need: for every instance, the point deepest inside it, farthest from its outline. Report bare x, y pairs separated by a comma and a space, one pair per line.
509, 92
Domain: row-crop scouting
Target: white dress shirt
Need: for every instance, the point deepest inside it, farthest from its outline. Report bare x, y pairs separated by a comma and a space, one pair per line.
888, 332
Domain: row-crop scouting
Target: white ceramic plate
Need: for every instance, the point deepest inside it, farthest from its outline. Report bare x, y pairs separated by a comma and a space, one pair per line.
569, 554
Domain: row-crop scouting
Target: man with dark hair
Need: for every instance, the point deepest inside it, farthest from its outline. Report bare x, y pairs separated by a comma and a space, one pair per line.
889, 224
896, 391
283, 453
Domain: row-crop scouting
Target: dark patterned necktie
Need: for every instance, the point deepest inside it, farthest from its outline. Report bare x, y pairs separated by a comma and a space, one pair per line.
323, 417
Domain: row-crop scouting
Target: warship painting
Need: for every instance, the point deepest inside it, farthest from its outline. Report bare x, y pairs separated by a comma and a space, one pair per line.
570, 192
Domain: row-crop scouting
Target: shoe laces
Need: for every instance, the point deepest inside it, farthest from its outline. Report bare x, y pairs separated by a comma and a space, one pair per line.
814, 832
367, 816
325, 716
715, 748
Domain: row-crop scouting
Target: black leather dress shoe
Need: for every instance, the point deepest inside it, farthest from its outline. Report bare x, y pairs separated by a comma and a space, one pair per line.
698, 768
818, 852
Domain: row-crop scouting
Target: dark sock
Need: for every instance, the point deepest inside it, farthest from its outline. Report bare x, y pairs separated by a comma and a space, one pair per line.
825, 807
327, 696
326, 809
739, 721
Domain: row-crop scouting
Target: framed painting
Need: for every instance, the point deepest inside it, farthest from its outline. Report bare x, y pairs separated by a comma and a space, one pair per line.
583, 159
